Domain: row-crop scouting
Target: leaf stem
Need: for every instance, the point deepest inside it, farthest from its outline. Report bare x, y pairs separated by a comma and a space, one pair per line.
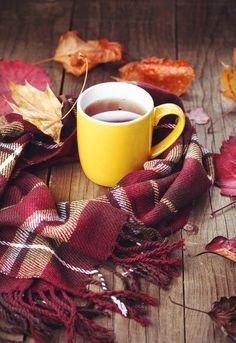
59, 56
44, 60
222, 208
187, 307
82, 88
213, 253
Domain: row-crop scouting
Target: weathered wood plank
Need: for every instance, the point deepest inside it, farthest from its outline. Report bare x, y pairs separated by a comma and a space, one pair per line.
29, 31
206, 36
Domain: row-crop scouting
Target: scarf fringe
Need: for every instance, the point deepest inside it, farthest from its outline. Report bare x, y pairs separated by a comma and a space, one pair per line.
145, 254
40, 312
139, 252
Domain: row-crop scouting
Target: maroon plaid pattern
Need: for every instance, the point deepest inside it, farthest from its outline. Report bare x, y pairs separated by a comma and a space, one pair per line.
51, 252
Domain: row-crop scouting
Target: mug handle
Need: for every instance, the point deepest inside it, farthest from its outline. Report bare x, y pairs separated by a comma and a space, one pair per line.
163, 111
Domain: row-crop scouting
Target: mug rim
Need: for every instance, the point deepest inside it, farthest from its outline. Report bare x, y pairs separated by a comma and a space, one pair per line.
117, 83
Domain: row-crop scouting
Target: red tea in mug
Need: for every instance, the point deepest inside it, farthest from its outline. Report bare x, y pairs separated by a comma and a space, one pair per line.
114, 110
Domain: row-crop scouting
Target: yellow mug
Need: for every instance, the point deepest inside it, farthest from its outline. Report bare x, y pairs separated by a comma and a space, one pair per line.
110, 150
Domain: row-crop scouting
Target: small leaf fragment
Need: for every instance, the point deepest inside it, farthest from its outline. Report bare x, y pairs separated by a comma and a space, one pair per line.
198, 115
40, 108
191, 229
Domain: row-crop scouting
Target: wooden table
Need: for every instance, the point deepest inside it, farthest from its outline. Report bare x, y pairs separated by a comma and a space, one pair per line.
202, 32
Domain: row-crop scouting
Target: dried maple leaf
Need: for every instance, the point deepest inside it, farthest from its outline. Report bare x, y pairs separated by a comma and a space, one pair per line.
225, 167
18, 72
40, 108
224, 247
72, 51
228, 80
223, 315
172, 75
199, 116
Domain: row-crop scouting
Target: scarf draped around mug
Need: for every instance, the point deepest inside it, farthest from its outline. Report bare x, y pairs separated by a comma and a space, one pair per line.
52, 256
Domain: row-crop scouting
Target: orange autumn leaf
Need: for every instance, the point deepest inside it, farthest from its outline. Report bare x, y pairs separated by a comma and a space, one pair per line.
72, 52
172, 75
228, 80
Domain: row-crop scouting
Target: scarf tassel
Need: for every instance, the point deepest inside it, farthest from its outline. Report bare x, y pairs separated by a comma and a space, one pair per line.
143, 253
40, 312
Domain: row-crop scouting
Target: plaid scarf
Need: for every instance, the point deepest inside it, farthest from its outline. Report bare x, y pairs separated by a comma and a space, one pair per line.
50, 253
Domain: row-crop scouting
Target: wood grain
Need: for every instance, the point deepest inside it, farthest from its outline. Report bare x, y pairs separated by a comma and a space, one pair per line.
200, 31
207, 278
29, 30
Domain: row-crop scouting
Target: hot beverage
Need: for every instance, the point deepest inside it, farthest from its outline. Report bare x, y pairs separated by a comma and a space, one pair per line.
114, 110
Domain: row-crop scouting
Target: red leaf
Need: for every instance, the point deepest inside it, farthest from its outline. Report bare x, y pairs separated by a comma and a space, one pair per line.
224, 247
199, 116
225, 167
19, 72
223, 315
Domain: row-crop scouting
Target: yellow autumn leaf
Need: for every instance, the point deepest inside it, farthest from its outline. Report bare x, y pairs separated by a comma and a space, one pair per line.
228, 80
40, 108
